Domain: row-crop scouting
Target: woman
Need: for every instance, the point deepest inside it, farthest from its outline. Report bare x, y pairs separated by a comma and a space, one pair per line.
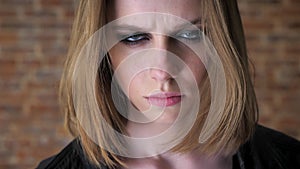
163, 84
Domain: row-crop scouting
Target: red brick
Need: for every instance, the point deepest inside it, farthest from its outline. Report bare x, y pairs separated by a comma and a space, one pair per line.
258, 26
12, 3
7, 13
8, 38
57, 3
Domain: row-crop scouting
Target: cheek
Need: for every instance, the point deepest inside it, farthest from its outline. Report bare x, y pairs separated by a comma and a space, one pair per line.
137, 90
192, 60
132, 86
116, 57
200, 72
197, 68
135, 85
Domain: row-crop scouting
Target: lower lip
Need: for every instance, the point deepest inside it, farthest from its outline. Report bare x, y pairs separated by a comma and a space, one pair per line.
164, 102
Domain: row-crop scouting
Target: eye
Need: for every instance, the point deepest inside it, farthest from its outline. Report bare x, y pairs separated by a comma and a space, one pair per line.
135, 39
191, 35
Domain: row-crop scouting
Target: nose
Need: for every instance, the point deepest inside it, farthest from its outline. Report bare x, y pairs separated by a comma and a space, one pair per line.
163, 63
159, 75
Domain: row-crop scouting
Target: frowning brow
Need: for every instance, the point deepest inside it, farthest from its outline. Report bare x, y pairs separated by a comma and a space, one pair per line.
194, 22
131, 27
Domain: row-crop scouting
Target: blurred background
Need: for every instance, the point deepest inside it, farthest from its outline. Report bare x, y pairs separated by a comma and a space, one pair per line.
34, 37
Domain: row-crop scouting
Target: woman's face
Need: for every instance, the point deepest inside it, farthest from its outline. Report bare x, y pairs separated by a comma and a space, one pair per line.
162, 83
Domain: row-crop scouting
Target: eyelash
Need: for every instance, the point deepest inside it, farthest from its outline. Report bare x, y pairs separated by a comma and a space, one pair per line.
140, 38
136, 39
194, 35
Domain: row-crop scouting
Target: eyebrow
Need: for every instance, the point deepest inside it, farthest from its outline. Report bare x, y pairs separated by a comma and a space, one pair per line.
195, 21
192, 22
136, 28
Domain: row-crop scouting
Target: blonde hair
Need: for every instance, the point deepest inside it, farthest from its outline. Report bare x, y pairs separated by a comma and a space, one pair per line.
224, 29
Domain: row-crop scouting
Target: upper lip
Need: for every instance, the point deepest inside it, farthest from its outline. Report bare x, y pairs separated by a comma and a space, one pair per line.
164, 95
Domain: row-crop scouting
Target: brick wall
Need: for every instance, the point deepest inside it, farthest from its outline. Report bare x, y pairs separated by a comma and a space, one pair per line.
33, 42
272, 29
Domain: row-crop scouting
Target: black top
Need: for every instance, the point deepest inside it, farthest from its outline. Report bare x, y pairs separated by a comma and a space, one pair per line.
267, 149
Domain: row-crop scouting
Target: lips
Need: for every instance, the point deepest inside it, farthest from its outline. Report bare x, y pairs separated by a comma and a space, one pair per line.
164, 99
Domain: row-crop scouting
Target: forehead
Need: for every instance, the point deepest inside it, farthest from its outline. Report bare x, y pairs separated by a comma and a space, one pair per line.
185, 9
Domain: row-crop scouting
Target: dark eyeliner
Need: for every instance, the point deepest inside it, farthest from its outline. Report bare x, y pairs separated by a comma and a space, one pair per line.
190, 35
135, 38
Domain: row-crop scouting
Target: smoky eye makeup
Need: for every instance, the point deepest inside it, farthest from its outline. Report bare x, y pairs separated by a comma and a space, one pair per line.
194, 35
190, 34
137, 38
140, 38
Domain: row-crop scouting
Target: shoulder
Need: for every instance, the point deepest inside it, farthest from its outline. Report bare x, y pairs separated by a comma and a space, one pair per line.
270, 149
71, 157
277, 143
268, 136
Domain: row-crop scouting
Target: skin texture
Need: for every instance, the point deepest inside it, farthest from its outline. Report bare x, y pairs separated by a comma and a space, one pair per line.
162, 77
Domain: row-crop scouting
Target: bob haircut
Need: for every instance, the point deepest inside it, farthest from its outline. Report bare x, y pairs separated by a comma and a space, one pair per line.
224, 29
